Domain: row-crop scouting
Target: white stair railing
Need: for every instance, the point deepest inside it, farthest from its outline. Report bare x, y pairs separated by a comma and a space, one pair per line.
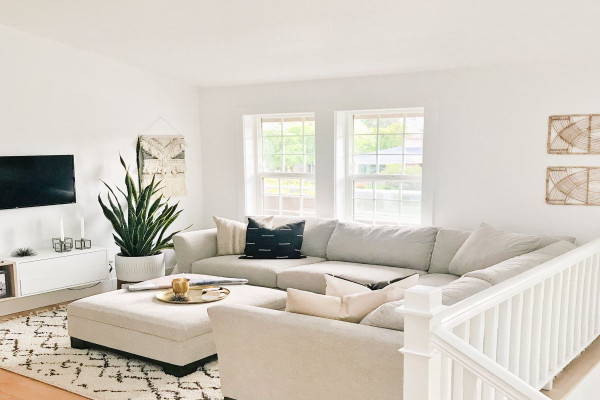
508, 341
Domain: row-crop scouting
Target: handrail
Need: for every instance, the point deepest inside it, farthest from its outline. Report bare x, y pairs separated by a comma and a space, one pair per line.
482, 301
483, 367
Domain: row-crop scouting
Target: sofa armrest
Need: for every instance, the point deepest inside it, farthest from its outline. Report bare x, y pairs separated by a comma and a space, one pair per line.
268, 354
193, 246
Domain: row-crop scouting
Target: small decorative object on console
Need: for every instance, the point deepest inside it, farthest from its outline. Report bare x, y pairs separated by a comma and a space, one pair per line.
3, 286
23, 252
83, 244
62, 245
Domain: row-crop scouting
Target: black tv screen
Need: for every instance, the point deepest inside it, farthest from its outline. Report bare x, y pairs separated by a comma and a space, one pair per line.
31, 181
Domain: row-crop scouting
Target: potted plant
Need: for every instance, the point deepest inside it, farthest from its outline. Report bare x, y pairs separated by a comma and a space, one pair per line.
140, 228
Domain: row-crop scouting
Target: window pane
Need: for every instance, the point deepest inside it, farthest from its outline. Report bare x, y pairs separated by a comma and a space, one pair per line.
309, 144
387, 190
292, 128
391, 125
290, 203
271, 128
362, 206
309, 164
364, 164
272, 145
413, 165
364, 126
293, 145
412, 210
411, 191
413, 144
293, 163
290, 187
363, 190
387, 208
271, 186
272, 163
390, 164
271, 202
415, 124
390, 144
365, 144
309, 127
308, 187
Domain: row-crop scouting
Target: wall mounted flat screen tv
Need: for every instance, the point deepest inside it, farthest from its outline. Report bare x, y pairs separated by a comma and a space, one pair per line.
32, 181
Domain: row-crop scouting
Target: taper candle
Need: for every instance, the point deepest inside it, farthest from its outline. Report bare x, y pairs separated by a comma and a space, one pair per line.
62, 231
82, 228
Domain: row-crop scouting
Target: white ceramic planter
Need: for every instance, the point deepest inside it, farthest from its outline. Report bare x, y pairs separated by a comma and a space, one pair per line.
137, 269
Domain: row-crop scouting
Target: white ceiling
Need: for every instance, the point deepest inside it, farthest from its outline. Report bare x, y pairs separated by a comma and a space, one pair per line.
230, 42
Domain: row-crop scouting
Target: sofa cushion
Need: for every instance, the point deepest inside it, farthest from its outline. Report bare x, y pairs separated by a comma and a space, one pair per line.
436, 280
388, 316
487, 246
516, 265
312, 277
258, 272
317, 231
448, 241
396, 246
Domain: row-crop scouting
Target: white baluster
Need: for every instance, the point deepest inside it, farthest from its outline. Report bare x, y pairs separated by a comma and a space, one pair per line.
557, 304
585, 312
579, 308
503, 342
564, 315
515, 333
421, 360
461, 331
572, 312
476, 337
490, 343
546, 332
446, 374
526, 326
594, 297
472, 386
536, 333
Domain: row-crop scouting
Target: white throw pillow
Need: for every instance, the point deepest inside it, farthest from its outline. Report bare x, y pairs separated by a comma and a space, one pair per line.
231, 236
487, 246
350, 307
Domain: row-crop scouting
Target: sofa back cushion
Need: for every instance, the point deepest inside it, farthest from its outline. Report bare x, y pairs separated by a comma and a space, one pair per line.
396, 246
317, 231
448, 241
517, 265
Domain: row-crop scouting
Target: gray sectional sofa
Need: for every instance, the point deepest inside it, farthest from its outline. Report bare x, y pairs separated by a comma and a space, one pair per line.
268, 354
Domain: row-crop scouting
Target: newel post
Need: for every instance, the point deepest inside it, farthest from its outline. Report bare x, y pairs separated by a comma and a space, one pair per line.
421, 361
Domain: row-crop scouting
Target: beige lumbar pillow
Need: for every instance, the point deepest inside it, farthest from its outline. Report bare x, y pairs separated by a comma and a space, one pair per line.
231, 236
487, 246
347, 304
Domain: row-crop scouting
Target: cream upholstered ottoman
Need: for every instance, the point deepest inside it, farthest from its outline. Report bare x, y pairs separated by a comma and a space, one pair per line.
176, 336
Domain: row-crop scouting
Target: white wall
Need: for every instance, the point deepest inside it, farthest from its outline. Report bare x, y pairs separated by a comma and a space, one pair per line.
55, 99
485, 146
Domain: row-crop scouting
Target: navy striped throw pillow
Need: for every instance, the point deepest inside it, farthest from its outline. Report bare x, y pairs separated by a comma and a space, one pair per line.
282, 242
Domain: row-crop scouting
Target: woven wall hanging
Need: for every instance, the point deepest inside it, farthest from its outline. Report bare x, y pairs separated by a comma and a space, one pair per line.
573, 186
574, 134
163, 156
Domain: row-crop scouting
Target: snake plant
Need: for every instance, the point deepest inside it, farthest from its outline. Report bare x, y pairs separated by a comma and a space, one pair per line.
140, 225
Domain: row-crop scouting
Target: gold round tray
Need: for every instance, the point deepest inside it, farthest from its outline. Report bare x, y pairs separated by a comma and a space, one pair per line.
194, 295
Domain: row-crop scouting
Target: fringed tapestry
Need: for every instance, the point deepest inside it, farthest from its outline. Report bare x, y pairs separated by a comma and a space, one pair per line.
164, 157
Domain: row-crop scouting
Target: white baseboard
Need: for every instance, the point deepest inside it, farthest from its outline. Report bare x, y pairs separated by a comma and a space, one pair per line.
11, 306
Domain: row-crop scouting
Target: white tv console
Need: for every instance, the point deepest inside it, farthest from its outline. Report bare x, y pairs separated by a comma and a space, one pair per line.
51, 271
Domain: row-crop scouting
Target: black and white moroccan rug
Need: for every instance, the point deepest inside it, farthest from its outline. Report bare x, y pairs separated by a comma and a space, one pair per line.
38, 346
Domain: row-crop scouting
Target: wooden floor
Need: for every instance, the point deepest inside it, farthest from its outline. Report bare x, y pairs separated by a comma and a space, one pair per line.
18, 387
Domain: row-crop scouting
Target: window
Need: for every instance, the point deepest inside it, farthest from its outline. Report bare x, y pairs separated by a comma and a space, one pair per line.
286, 166
385, 166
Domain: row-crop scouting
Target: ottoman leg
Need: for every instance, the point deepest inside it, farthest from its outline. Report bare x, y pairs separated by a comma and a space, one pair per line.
179, 370
79, 344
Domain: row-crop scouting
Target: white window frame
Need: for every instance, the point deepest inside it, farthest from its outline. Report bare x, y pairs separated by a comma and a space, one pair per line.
351, 177
260, 175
